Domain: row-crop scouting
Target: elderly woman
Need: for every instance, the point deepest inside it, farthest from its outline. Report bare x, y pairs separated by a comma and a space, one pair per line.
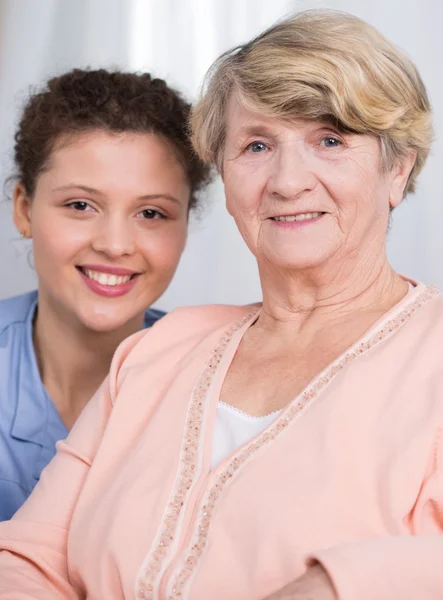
291, 449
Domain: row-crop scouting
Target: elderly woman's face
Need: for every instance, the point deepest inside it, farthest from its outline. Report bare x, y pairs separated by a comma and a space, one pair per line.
301, 192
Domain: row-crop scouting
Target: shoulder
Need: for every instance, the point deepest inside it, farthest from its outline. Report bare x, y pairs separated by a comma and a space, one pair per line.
176, 333
152, 315
16, 309
184, 322
417, 320
210, 313
427, 307
191, 320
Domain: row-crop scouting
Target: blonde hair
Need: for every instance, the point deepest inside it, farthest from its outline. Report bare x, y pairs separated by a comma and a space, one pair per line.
321, 65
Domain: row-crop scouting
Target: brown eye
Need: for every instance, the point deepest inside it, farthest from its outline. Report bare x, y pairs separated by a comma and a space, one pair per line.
79, 205
150, 213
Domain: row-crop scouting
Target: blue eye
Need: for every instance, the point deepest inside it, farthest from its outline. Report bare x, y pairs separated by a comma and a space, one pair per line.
331, 142
257, 147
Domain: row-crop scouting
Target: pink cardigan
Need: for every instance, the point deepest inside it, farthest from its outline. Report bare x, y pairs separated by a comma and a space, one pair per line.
350, 474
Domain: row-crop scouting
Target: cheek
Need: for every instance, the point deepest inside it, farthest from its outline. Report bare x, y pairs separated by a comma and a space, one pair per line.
352, 193
243, 196
368, 195
55, 243
356, 183
163, 250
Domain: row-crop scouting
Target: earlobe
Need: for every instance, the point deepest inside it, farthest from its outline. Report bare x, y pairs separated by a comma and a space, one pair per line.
22, 211
400, 178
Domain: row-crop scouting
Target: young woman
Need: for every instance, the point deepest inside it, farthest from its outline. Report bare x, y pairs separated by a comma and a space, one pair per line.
106, 177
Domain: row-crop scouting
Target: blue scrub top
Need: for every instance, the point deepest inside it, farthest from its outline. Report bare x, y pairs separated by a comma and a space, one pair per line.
29, 422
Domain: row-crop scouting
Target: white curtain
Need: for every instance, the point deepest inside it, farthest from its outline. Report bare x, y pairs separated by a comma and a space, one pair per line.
178, 40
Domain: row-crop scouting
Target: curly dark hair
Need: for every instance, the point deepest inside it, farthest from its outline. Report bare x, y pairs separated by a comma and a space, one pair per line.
83, 100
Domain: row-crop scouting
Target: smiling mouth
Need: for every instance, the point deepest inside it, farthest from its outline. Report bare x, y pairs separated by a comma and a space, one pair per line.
300, 217
108, 279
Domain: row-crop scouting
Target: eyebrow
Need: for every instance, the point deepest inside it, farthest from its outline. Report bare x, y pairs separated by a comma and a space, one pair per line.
90, 190
74, 186
157, 196
261, 129
254, 129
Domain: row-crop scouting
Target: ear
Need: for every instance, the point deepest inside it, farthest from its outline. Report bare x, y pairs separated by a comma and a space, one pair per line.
400, 176
22, 211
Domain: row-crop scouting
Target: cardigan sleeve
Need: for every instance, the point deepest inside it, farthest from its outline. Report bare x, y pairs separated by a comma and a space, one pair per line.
396, 568
33, 544
406, 567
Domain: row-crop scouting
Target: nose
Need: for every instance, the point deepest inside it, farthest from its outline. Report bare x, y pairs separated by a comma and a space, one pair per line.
292, 172
114, 237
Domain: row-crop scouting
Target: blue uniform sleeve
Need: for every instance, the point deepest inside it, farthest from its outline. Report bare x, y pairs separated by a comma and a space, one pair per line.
12, 497
152, 315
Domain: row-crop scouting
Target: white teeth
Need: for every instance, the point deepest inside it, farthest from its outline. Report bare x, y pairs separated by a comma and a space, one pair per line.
105, 278
300, 217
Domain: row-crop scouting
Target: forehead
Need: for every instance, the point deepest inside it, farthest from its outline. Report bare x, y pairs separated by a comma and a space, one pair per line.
243, 119
101, 152
122, 162
100, 145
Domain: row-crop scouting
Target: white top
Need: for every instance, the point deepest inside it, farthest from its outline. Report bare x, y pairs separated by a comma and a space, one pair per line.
233, 428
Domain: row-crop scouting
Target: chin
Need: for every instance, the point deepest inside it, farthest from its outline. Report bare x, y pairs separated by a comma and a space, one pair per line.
296, 263
103, 323
296, 256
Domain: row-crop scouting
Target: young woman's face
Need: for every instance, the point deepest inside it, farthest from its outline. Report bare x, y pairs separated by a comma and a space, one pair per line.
108, 221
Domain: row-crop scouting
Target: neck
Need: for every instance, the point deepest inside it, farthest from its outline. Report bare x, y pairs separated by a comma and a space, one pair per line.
73, 360
330, 292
